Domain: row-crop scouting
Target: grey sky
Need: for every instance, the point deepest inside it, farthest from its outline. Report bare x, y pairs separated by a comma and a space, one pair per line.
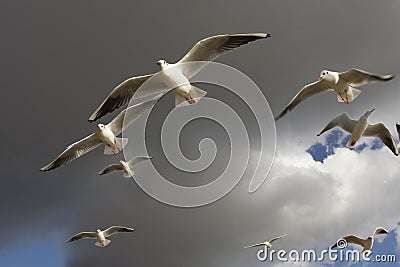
59, 61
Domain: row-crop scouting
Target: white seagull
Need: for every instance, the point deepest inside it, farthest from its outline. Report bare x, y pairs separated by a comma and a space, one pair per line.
178, 78
343, 83
268, 243
105, 134
362, 128
124, 166
365, 243
101, 235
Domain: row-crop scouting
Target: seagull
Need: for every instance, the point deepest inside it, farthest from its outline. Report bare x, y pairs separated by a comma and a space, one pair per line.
365, 243
268, 244
342, 83
124, 166
177, 79
362, 128
101, 235
105, 134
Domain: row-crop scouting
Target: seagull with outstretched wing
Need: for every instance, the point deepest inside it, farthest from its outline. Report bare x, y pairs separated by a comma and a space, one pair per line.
105, 134
365, 243
176, 76
124, 166
362, 128
100, 235
343, 83
267, 243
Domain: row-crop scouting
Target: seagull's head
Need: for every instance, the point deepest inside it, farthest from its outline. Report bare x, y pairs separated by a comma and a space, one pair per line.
328, 76
162, 64
101, 126
98, 231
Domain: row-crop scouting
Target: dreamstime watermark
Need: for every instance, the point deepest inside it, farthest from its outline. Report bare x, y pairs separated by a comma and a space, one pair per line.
242, 87
311, 255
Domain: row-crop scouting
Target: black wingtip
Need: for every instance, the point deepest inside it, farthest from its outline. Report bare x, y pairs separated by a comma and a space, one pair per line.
268, 35
391, 77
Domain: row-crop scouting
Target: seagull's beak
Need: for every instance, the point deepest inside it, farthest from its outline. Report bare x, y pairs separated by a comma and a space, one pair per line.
319, 78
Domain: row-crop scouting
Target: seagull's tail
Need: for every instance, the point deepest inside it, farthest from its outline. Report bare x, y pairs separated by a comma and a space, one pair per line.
106, 243
352, 94
120, 144
128, 174
195, 93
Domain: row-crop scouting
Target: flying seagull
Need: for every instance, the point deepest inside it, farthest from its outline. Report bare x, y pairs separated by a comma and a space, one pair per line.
105, 134
343, 83
268, 244
362, 128
178, 78
101, 235
365, 243
124, 166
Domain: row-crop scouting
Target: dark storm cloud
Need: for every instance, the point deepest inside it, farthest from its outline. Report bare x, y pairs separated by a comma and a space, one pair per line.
59, 60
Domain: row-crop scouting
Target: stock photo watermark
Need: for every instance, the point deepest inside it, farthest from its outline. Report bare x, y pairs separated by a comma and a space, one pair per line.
185, 112
326, 255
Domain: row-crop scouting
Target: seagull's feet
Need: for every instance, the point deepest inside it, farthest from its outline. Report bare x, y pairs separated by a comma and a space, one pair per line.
190, 100
346, 100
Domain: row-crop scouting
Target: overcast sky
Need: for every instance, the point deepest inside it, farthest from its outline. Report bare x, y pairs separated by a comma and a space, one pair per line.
60, 59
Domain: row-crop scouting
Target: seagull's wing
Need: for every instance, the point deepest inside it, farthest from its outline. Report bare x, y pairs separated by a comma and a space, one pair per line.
82, 235
119, 96
255, 245
305, 93
343, 121
355, 77
111, 168
355, 240
74, 151
130, 114
379, 231
137, 160
210, 48
380, 130
117, 229
276, 238
352, 239
398, 129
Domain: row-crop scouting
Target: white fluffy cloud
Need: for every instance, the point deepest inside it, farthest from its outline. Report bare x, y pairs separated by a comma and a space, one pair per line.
317, 203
